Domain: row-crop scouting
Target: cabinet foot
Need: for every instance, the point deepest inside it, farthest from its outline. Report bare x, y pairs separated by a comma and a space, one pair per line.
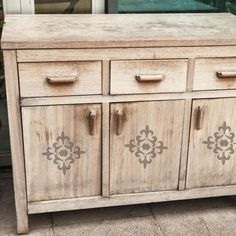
23, 225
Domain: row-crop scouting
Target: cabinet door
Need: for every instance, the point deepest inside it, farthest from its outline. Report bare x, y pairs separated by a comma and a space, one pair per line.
145, 146
62, 151
212, 150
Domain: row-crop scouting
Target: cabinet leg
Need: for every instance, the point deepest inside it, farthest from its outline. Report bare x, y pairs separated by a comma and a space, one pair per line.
22, 223
17, 153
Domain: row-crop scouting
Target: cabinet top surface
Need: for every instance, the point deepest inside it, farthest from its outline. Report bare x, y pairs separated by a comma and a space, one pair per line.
100, 31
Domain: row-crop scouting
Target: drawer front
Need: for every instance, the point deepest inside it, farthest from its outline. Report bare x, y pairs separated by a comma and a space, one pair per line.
215, 73
145, 146
59, 78
62, 146
148, 76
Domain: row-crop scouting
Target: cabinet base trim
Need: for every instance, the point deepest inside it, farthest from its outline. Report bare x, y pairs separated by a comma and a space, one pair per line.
128, 199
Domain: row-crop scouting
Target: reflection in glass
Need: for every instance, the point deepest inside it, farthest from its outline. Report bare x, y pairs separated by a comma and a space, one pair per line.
4, 133
169, 6
63, 6
1, 10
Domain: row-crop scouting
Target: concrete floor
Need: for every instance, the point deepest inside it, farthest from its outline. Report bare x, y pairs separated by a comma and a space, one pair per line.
215, 217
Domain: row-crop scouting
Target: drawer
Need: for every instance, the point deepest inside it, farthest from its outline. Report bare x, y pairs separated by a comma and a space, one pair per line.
215, 73
59, 78
148, 76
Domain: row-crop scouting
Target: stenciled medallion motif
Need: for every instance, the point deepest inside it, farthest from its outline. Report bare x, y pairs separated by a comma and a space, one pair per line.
63, 153
222, 143
145, 146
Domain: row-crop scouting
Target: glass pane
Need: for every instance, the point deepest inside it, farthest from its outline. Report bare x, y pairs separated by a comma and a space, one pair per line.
63, 6
1, 11
169, 6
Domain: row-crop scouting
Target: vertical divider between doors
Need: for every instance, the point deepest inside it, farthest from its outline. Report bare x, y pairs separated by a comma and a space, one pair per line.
105, 150
186, 126
105, 77
185, 144
105, 130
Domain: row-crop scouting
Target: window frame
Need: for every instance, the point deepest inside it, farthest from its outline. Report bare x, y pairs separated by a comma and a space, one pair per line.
28, 6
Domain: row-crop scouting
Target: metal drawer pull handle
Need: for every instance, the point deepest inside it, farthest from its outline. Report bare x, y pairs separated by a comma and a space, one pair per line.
200, 117
61, 80
119, 121
92, 122
226, 74
149, 78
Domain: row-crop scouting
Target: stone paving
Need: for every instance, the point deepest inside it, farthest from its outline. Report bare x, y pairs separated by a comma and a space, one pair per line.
213, 217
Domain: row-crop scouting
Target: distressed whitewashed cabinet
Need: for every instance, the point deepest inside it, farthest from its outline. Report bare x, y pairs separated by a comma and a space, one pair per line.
119, 109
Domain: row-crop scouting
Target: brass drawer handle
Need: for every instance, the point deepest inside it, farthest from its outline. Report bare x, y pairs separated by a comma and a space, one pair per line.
92, 122
119, 121
226, 74
61, 80
149, 78
200, 117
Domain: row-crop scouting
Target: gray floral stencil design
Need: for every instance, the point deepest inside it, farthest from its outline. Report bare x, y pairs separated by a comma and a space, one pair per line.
145, 146
222, 143
63, 153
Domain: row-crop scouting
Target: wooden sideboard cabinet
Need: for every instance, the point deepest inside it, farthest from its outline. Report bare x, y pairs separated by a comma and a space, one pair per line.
111, 110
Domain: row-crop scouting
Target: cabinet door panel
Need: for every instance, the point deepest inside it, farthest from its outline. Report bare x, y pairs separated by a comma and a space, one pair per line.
63, 159
212, 150
145, 155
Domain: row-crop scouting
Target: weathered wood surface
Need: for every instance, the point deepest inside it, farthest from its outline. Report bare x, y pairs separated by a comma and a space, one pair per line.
123, 76
83, 31
125, 98
17, 152
153, 163
110, 51
205, 75
27, 55
53, 134
211, 159
127, 199
33, 78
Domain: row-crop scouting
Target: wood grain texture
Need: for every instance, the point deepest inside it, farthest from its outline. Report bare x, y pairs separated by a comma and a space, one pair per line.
147, 30
105, 77
185, 144
190, 75
105, 150
205, 77
123, 76
124, 53
165, 122
33, 78
17, 153
128, 199
204, 168
125, 98
46, 178
69, 161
